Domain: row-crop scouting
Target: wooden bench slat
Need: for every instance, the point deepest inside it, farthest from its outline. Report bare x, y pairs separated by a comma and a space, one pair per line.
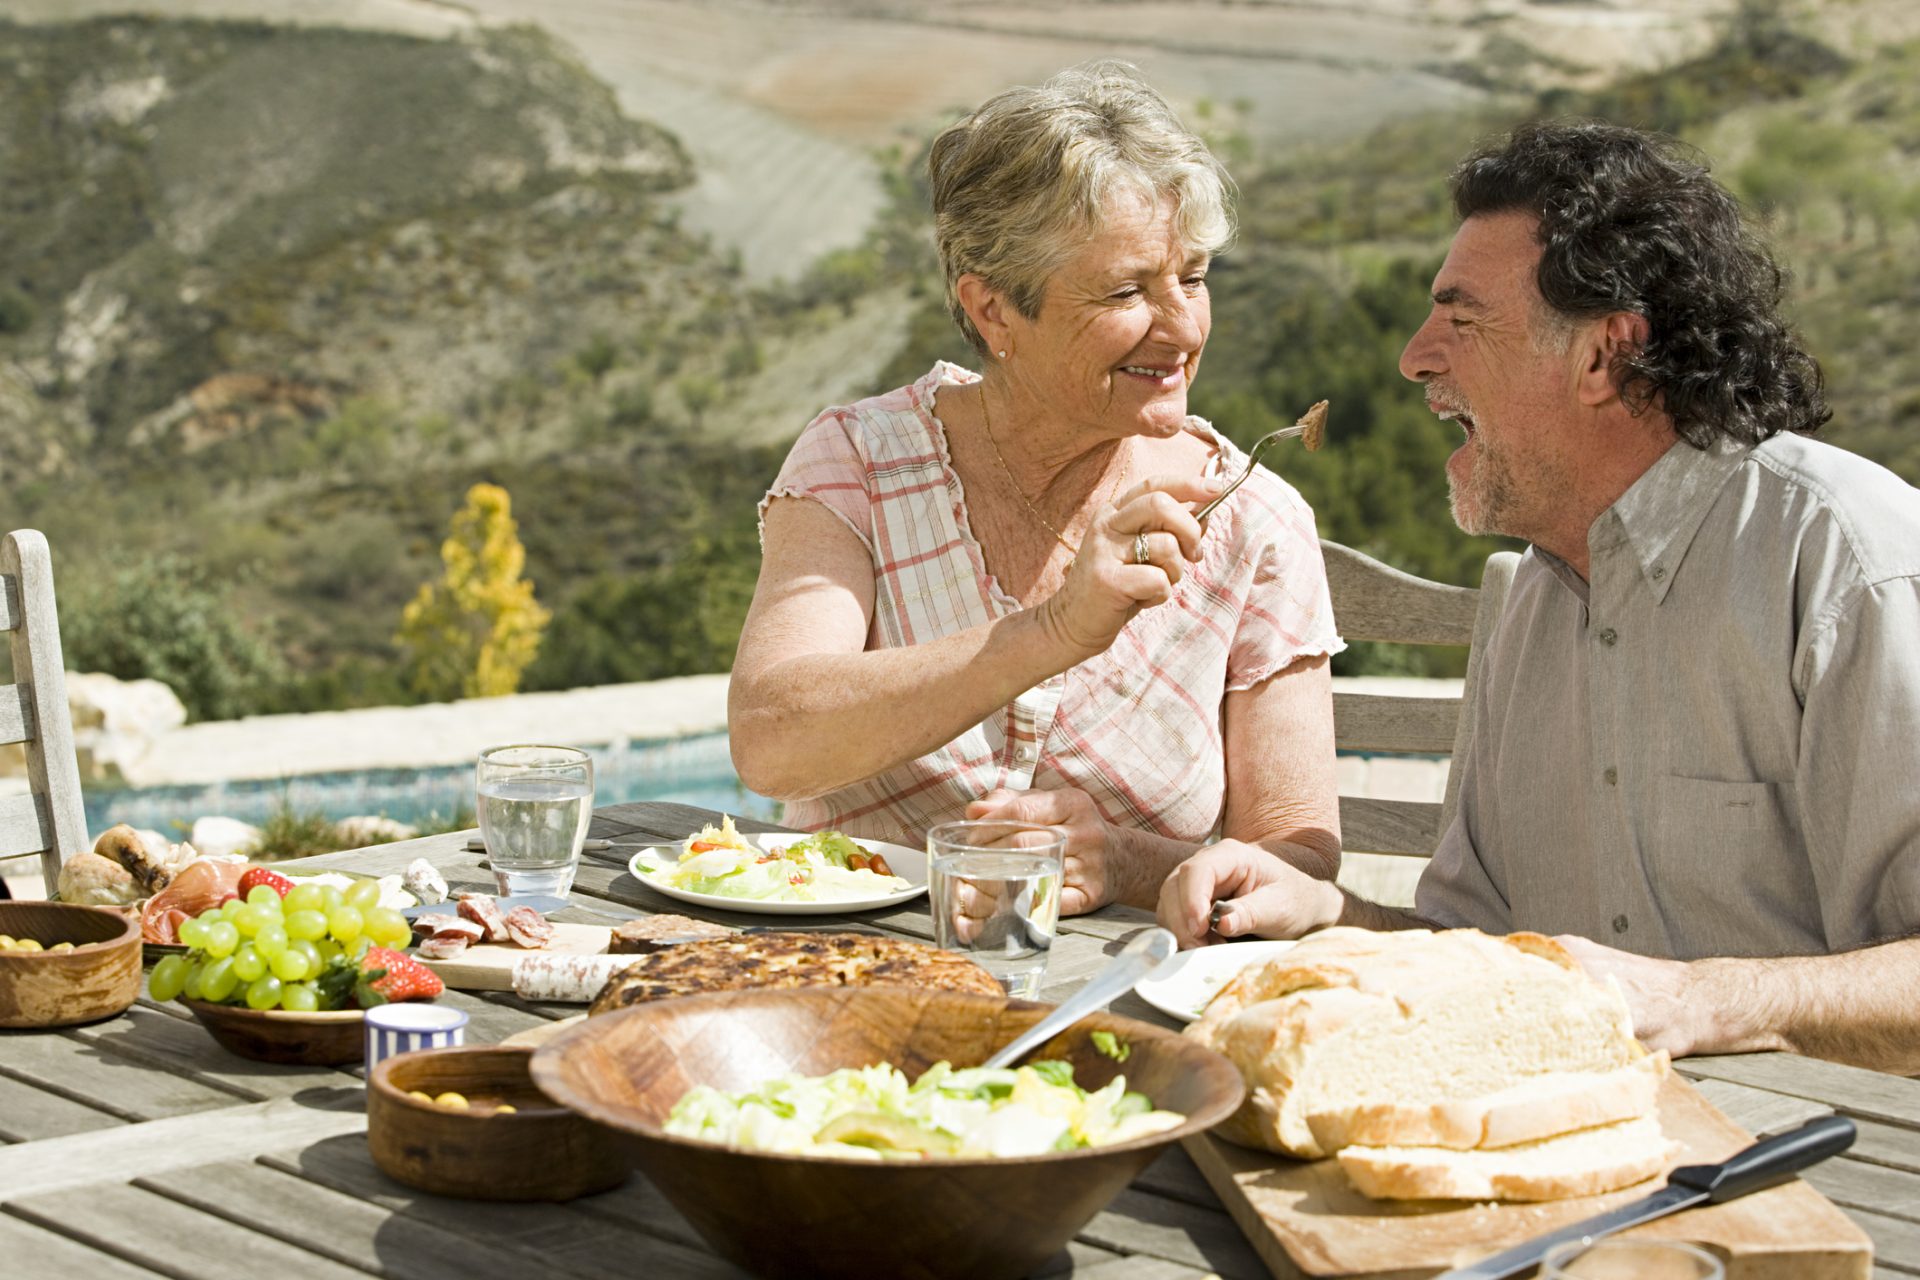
1374, 601
23, 825
9, 601
1376, 722
16, 713
1407, 827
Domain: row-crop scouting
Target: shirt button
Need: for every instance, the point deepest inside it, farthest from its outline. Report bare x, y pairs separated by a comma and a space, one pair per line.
1024, 755
1659, 572
1619, 924
1608, 635
1612, 776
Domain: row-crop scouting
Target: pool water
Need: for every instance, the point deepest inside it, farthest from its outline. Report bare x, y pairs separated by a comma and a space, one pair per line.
694, 771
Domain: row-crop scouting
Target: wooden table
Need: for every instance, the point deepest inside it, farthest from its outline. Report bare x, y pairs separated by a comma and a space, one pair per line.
138, 1147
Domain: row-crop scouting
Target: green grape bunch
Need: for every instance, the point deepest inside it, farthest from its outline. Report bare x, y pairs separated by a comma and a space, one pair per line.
266, 951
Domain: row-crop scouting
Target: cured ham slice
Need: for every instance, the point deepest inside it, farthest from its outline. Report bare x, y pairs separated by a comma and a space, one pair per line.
199, 886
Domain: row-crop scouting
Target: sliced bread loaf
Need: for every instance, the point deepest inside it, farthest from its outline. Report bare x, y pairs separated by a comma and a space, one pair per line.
1583, 1163
1353, 1025
1537, 1107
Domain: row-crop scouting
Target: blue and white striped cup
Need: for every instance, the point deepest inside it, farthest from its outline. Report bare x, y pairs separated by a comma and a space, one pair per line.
402, 1028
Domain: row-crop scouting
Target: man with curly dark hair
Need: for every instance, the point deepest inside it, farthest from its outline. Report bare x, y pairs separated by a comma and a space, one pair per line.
1697, 735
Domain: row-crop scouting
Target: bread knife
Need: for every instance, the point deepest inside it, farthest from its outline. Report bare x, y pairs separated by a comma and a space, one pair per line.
1762, 1165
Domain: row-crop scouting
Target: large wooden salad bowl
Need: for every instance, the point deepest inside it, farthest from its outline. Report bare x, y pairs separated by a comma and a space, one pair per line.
787, 1215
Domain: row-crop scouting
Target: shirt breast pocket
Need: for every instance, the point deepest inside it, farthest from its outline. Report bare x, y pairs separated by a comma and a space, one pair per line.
1726, 859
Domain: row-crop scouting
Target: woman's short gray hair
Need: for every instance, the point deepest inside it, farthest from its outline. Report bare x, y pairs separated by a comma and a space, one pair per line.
1019, 184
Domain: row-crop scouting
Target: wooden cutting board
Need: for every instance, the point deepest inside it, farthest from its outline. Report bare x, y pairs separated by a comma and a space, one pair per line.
488, 966
1305, 1220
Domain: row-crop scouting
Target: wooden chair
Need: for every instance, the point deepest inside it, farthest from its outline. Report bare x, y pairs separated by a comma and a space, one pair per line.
1372, 601
50, 820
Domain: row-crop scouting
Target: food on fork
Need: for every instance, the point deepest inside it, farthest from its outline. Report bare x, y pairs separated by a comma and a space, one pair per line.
1315, 422
1430, 1051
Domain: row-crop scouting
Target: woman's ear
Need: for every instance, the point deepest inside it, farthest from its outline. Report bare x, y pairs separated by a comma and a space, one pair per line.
1601, 346
988, 308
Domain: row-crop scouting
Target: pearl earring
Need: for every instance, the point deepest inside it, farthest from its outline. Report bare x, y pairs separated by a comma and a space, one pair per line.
1003, 355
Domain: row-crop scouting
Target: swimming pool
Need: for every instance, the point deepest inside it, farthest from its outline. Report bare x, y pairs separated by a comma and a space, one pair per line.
694, 770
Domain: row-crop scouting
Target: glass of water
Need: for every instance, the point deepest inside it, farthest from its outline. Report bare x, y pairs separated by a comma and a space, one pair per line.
535, 804
1626, 1259
995, 892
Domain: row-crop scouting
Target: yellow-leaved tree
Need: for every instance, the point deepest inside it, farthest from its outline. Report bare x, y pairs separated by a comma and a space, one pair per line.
473, 632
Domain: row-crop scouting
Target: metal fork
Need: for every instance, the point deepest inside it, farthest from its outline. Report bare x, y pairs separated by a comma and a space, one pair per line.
1260, 446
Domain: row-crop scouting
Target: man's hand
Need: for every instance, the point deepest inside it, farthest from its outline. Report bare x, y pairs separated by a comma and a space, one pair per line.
1268, 897
1658, 994
1095, 870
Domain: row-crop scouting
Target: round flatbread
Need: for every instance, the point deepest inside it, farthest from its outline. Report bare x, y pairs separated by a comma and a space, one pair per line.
791, 960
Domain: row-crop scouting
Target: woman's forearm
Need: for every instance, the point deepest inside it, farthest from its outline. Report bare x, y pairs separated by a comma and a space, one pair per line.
1145, 859
811, 723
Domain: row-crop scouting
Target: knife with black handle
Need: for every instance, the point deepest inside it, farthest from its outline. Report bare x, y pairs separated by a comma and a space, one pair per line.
1762, 1165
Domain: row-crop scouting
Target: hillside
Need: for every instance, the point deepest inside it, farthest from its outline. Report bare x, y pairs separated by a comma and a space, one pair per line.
273, 298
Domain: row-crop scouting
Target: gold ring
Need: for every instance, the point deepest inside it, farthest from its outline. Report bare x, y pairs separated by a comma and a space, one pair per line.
1142, 553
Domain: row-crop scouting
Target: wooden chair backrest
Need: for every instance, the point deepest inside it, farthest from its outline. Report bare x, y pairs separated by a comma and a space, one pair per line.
1373, 601
50, 819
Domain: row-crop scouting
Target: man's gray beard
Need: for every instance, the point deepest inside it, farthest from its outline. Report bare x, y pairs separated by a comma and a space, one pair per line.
1492, 489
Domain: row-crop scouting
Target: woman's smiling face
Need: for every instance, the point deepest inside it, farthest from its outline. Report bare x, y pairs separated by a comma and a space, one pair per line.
1120, 329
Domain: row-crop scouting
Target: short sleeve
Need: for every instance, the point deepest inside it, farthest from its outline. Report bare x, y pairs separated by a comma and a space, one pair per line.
826, 464
1288, 613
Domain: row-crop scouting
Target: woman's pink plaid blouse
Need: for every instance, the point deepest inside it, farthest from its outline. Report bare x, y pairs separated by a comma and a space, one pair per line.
1138, 727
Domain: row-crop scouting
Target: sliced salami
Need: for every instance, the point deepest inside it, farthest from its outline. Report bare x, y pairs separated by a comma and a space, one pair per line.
425, 926
485, 912
564, 978
447, 945
529, 928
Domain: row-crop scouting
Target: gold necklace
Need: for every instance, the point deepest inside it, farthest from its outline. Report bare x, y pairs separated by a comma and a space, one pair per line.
986, 420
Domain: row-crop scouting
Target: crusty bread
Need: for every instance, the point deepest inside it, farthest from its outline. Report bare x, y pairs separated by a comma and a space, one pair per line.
1354, 1025
1538, 1107
1583, 1163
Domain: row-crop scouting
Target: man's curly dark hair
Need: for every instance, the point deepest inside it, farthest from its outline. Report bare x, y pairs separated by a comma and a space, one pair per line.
1632, 221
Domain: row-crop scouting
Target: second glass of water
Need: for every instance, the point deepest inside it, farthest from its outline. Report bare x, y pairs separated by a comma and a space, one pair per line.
534, 804
995, 892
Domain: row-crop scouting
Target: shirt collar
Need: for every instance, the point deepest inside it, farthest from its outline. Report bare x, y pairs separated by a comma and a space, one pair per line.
1658, 516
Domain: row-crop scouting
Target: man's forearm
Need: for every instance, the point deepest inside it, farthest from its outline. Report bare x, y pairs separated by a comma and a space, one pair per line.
1361, 913
1856, 1007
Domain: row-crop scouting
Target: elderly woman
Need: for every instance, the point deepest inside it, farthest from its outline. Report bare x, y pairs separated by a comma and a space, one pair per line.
987, 595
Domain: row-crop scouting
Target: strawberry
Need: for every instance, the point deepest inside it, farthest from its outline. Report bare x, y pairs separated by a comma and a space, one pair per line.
267, 876
386, 975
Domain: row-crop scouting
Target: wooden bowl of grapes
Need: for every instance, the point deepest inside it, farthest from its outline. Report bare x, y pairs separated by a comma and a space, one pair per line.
323, 1038
925, 1214
62, 964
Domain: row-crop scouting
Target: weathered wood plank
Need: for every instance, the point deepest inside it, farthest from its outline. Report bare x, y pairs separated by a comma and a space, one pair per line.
186, 1049
1369, 825
9, 601
335, 1225
1139, 1267
1895, 1146
1856, 1184
119, 1086
16, 713
180, 1142
1896, 1242
24, 827
28, 1113
1373, 601
53, 773
1758, 1111
171, 1238
35, 1253
1176, 1176
1376, 722
1205, 1238
574, 1238
1853, 1090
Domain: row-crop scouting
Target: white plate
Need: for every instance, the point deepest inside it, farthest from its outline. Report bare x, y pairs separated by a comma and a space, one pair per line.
909, 864
1182, 984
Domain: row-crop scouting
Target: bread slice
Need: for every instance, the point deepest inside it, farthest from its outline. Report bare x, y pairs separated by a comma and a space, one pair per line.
1538, 1107
1583, 1163
1351, 1024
